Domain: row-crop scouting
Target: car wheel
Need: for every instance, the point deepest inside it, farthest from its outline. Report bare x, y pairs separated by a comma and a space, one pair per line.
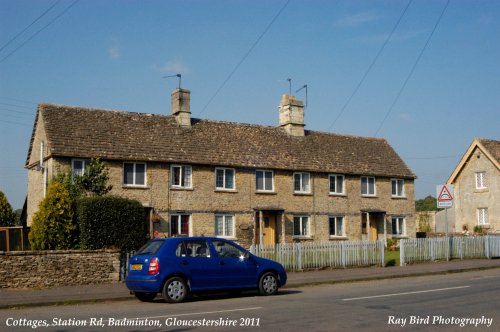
145, 297
174, 290
268, 284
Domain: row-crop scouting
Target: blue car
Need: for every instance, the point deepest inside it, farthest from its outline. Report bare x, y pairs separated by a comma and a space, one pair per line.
178, 266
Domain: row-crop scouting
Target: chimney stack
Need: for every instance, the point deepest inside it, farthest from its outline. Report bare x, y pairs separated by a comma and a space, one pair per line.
181, 100
291, 113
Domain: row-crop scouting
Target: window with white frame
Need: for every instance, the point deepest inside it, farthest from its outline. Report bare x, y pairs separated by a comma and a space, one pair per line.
398, 226
482, 216
78, 166
368, 186
336, 184
224, 225
481, 180
181, 176
301, 226
264, 180
398, 187
134, 174
180, 225
224, 179
336, 224
302, 182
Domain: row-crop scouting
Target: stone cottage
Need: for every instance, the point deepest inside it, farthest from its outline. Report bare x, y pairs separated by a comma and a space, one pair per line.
250, 183
476, 181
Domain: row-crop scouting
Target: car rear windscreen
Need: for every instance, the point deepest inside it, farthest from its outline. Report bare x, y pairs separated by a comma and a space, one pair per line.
150, 248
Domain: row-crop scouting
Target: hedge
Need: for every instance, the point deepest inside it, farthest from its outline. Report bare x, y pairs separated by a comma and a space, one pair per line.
111, 222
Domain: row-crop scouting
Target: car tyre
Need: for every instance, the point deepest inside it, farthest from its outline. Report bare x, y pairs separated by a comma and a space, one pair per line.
174, 290
145, 297
268, 284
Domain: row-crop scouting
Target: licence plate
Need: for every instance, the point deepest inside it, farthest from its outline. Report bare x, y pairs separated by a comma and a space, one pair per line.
136, 267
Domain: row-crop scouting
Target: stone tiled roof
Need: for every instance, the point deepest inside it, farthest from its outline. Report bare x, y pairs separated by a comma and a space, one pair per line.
116, 135
493, 147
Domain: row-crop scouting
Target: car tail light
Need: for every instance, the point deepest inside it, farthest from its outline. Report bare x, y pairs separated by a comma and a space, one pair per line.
154, 266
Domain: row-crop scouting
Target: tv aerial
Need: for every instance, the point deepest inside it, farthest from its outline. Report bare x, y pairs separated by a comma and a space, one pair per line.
176, 75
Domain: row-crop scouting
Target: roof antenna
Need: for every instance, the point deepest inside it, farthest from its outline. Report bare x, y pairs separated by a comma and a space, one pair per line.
303, 87
176, 75
289, 86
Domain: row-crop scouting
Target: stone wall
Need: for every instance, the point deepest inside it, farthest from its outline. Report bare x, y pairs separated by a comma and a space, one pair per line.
31, 269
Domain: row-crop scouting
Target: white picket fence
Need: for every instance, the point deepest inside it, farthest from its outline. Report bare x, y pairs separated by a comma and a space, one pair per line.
446, 248
316, 255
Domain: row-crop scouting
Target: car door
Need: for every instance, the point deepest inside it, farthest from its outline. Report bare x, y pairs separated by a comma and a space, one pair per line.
196, 262
236, 269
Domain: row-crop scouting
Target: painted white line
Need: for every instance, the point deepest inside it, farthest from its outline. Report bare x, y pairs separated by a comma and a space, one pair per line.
405, 293
202, 313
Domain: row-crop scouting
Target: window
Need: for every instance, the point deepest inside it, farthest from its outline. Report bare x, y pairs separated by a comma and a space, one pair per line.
224, 225
227, 250
482, 216
368, 186
302, 182
481, 180
180, 225
301, 226
398, 188
134, 174
264, 180
398, 226
192, 248
78, 166
224, 179
336, 226
336, 184
181, 176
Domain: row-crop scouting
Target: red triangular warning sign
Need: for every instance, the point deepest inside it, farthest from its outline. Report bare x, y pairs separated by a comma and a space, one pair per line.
444, 195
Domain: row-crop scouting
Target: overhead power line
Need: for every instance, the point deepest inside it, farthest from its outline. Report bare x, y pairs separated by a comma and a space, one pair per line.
29, 26
371, 65
40, 30
412, 69
244, 57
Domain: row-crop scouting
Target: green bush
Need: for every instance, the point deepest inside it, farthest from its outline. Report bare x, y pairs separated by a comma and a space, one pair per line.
7, 217
111, 222
53, 226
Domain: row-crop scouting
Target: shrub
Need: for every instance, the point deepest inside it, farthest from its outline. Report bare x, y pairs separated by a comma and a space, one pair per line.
7, 217
108, 221
53, 226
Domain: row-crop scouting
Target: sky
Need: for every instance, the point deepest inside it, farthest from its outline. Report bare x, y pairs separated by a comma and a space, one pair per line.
424, 75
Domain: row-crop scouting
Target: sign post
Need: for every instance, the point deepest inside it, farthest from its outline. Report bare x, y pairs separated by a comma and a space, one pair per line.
445, 199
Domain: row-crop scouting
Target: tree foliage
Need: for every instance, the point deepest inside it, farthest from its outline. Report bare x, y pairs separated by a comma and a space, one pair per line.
426, 204
53, 225
7, 217
94, 181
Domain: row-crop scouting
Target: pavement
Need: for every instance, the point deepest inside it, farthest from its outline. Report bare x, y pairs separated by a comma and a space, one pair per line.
12, 298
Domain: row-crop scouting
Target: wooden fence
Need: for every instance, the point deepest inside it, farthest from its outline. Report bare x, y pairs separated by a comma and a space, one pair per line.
446, 248
314, 255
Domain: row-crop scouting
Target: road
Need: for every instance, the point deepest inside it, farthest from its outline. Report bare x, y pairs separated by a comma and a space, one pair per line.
441, 302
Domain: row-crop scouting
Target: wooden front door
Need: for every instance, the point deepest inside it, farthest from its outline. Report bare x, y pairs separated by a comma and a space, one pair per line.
268, 230
373, 230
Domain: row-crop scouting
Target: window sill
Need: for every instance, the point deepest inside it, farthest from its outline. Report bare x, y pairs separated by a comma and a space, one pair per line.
369, 196
129, 186
481, 190
399, 197
337, 195
396, 236
298, 193
266, 192
181, 189
232, 238
225, 190
335, 237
